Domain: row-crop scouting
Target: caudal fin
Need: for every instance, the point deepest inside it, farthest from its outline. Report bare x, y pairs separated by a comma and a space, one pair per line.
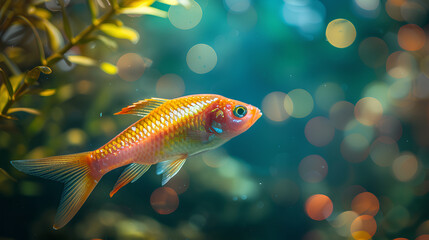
73, 171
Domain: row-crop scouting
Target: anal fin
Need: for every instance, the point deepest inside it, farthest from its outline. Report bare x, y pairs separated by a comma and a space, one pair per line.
170, 168
133, 172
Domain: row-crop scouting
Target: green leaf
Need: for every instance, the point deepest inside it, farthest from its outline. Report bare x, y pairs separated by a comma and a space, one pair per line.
4, 8
27, 110
47, 92
107, 41
7, 83
66, 21
108, 68
56, 40
144, 10
136, 3
42, 13
120, 32
8, 117
34, 74
169, 2
82, 60
37, 37
44, 69
116, 22
9, 64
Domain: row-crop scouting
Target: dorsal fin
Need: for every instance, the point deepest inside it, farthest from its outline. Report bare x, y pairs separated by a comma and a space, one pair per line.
170, 168
133, 172
143, 107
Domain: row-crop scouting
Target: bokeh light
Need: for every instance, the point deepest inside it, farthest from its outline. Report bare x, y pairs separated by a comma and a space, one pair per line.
369, 5
215, 158
343, 222
354, 148
185, 17
389, 126
373, 51
423, 237
405, 167
340, 33
130, 66
396, 218
350, 192
368, 111
423, 228
76, 136
302, 103
413, 12
238, 5
355, 126
424, 65
170, 86
341, 113
180, 182
411, 37
84, 87
421, 87
201, 58
313, 168
401, 65
307, 16
380, 91
400, 89
365, 203
164, 200
328, 94
383, 151
363, 227
319, 207
319, 131
273, 106
393, 9
243, 21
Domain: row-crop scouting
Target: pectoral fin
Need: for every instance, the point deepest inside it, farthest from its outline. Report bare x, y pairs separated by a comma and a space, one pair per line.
143, 107
170, 168
133, 172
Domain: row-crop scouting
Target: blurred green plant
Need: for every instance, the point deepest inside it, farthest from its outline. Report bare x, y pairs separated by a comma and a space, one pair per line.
27, 25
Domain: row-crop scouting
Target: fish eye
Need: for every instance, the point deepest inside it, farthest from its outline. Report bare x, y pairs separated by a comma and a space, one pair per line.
240, 111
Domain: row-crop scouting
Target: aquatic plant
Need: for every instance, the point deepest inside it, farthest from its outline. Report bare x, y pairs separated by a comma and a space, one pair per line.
33, 40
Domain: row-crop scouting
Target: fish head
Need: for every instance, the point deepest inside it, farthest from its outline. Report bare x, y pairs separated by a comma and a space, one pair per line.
231, 117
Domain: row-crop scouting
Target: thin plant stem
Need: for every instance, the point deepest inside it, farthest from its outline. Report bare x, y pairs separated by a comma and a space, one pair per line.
55, 57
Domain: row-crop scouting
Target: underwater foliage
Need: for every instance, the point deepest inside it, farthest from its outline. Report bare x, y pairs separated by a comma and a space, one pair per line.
32, 41
340, 152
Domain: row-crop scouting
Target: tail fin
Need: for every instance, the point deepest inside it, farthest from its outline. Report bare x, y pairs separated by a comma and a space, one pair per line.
73, 171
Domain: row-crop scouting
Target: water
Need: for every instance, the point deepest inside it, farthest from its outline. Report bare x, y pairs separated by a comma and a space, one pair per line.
340, 152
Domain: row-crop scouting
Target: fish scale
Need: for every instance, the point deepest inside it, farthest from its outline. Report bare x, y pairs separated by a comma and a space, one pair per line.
167, 134
172, 136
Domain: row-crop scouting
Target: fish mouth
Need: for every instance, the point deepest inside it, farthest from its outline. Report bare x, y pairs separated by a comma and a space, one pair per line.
257, 115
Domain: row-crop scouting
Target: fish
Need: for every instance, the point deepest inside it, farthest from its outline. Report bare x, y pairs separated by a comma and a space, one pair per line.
167, 133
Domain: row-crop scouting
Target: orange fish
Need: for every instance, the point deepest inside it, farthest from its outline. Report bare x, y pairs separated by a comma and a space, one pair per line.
168, 133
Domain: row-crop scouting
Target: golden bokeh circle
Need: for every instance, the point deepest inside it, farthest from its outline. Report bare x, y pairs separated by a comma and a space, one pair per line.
340, 33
